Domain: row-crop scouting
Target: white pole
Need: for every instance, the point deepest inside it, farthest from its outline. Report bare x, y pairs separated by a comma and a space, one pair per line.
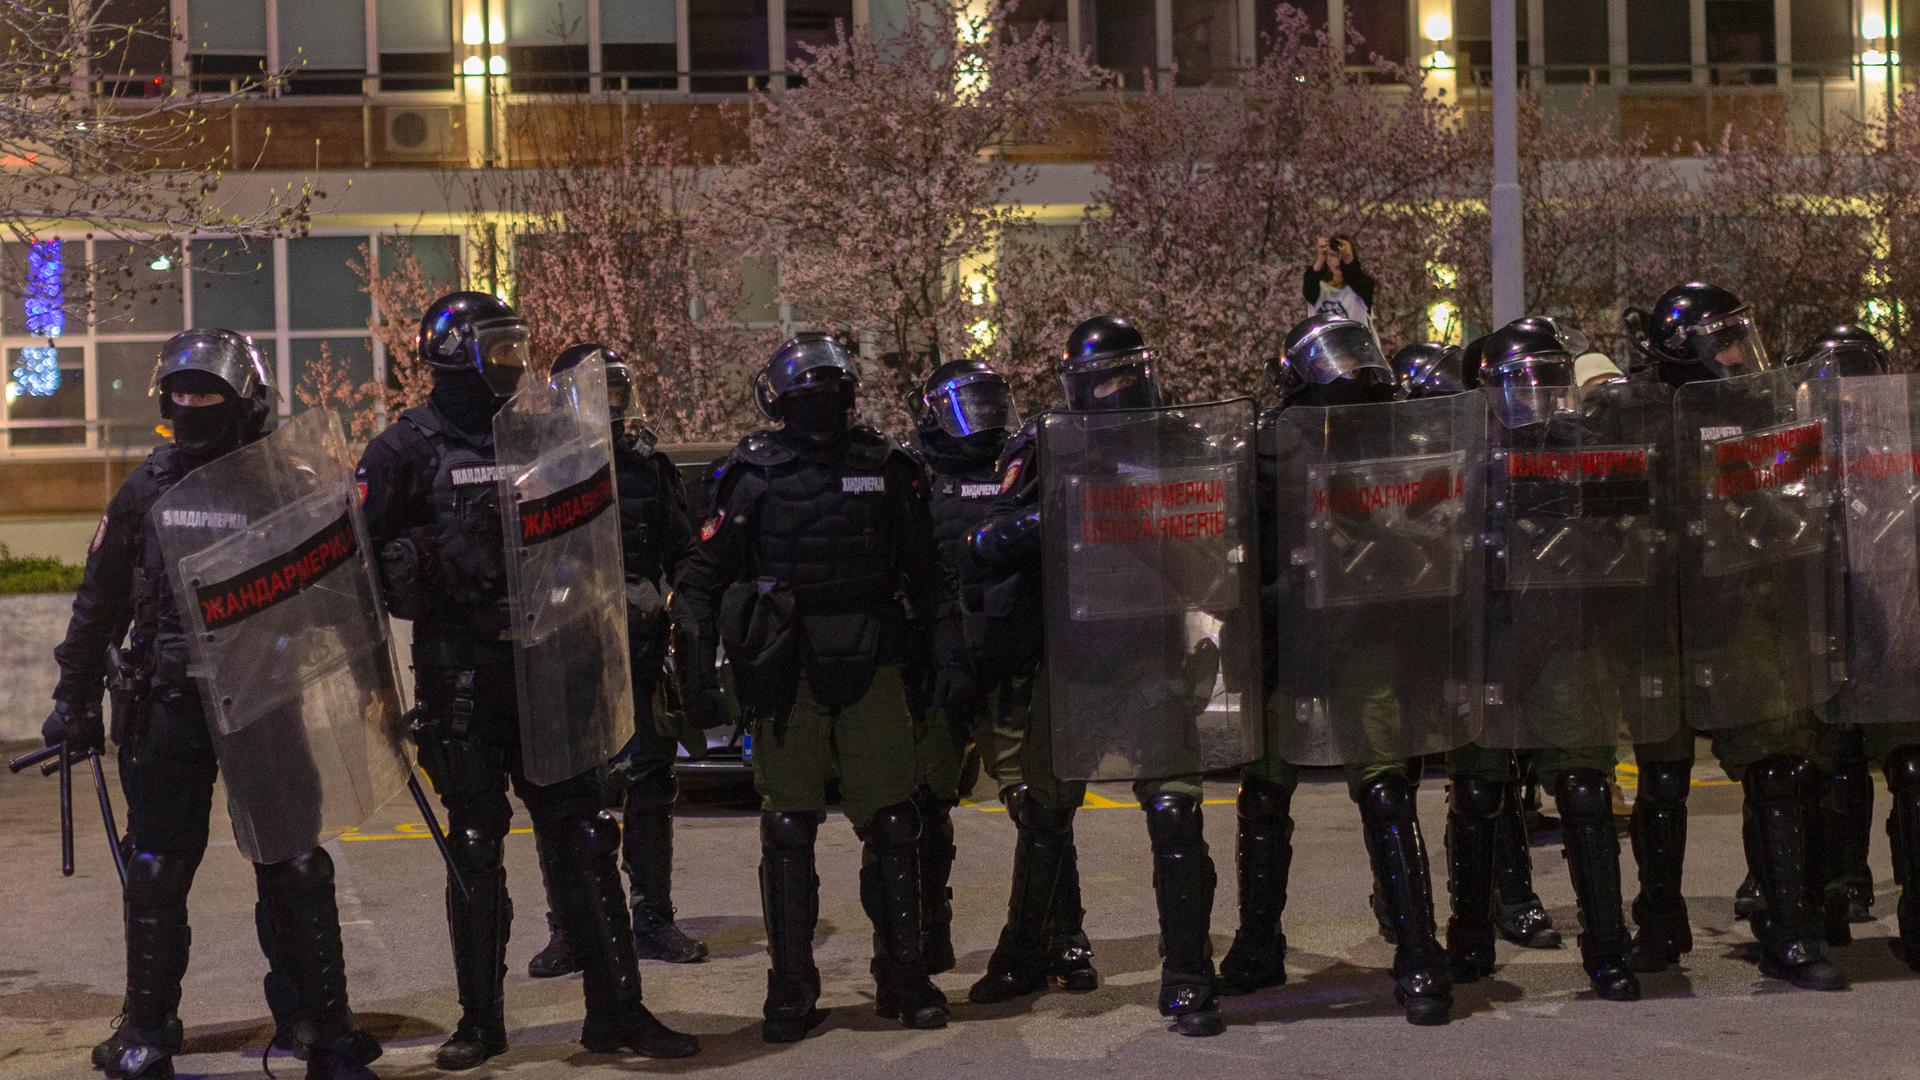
1509, 265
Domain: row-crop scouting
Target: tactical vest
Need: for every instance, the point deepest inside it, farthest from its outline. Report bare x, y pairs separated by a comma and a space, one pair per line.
826, 529
157, 630
642, 510
466, 501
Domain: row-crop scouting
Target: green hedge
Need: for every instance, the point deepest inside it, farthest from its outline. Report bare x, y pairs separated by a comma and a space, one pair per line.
26, 574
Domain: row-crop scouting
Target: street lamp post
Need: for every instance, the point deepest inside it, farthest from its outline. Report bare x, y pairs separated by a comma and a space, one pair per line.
1509, 262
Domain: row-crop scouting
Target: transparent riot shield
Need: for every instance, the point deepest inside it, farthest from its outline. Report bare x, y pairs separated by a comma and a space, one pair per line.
1151, 590
1380, 579
1873, 418
274, 583
566, 585
1757, 635
1582, 614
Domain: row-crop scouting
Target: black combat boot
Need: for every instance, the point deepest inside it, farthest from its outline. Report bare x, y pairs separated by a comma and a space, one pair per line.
593, 908
891, 890
1519, 916
647, 841
557, 958
936, 870
1043, 847
305, 928
790, 902
1401, 879
1472, 812
1264, 855
1781, 793
1845, 836
1183, 883
1069, 953
1585, 799
479, 923
1659, 831
1903, 829
158, 939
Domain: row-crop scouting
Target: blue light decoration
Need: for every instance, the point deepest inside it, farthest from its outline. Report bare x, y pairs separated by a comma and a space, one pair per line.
45, 301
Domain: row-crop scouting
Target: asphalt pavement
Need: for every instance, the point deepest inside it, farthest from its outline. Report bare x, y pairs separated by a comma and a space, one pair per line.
61, 961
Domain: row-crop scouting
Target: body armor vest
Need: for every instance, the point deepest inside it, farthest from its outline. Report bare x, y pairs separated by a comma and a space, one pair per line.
466, 501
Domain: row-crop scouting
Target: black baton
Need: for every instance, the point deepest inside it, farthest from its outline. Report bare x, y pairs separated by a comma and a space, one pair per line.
439, 838
21, 764
106, 817
66, 811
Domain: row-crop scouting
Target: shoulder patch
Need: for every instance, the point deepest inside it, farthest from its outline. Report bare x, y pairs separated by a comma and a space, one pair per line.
99, 535
710, 528
1011, 477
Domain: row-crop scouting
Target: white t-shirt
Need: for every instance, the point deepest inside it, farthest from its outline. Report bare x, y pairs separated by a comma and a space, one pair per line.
1343, 302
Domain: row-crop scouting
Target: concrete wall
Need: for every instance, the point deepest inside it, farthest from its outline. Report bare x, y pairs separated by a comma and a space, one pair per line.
30, 626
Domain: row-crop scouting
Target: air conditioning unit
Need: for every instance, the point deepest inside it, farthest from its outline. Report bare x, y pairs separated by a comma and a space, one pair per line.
418, 133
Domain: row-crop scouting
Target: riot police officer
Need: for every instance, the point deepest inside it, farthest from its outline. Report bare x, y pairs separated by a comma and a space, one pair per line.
1698, 335
963, 413
813, 532
655, 539
1106, 366
216, 393
432, 506
1430, 369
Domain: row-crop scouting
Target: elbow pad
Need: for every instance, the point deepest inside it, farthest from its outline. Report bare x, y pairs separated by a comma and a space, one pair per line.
1007, 541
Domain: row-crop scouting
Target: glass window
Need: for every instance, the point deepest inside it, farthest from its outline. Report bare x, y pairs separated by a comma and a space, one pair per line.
1740, 32
1384, 27
351, 355
136, 290
226, 42
886, 18
1659, 32
814, 22
759, 292
47, 384
639, 44
135, 57
1576, 34
1473, 36
416, 44
1206, 42
323, 291
232, 285
125, 370
1121, 36
324, 45
1822, 39
437, 256
1269, 11
547, 46
727, 39
1031, 14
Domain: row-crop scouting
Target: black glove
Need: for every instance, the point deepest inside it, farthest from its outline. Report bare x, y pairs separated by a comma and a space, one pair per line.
954, 689
470, 569
80, 729
707, 708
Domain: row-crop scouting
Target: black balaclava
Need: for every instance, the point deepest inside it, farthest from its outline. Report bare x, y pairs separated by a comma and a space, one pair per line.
204, 431
1343, 392
820, 417
464, 398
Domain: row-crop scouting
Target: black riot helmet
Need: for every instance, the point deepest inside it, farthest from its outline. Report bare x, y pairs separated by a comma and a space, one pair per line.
1846, 350
215, 362
964, 398
629, 420
1527, 370
1329, 360
1698, 331
1107, 365
1430, 369
807, 363
477, 332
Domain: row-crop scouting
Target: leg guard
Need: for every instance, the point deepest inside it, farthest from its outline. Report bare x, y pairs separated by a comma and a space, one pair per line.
790, 903
1043, 850
1264, 855
1846, 836
648, 847
305, 926
558, 957
1519, 917
891, 889
1903, 828
479, 923
158, 939
937, 853
1401, 880
1781, 792
1659, 831
1471, 815
1183, 884
1585, 799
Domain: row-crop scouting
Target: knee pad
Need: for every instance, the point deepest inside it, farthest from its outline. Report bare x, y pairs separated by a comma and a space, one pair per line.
1903, 768
1664, 783
652, 791
1387, 798
1263, 801
306, 872
162, 875
788, 831
1173, 820
930, 808
1585, 795
477, 847
1028, 813
1780, 778
592, 836
895, 826
1477, 797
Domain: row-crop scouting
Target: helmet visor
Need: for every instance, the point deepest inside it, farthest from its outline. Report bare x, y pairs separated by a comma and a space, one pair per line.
1103, 387
503, 353
801, 362
1336, 352
1846, 360
619, 390
1730, 347
1530, 390
971, 403
1437, 375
